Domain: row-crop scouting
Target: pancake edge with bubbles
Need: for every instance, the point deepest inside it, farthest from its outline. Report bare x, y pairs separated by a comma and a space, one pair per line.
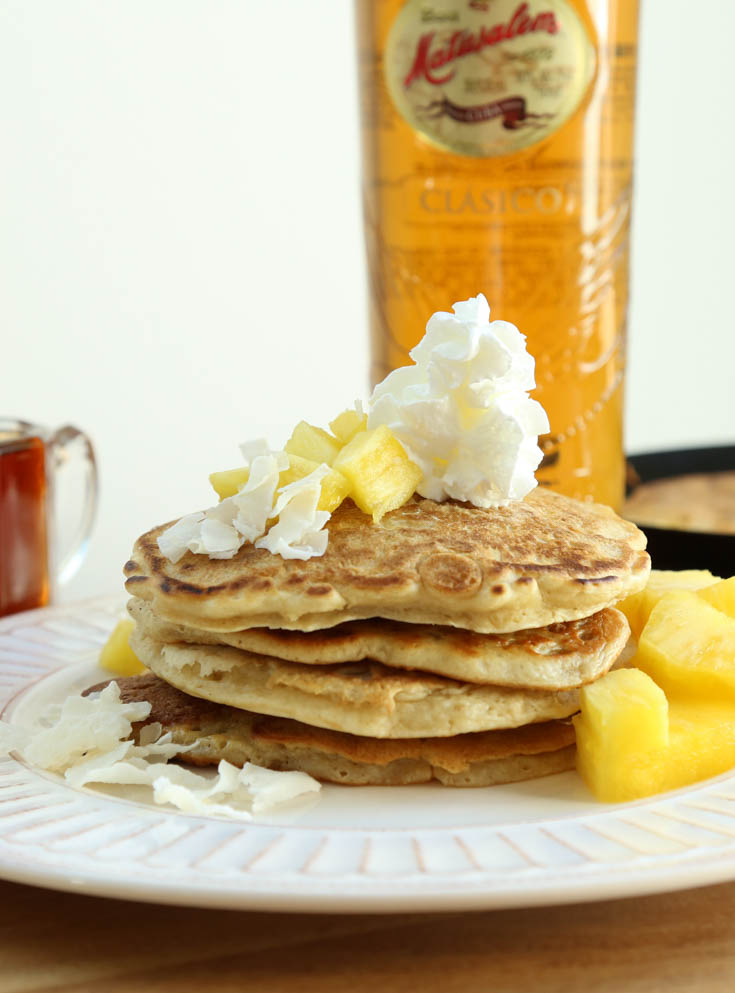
237, 736
363, 698
533, 562
560, 656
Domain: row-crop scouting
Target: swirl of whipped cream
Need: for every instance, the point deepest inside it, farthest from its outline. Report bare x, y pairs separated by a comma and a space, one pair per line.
463, 412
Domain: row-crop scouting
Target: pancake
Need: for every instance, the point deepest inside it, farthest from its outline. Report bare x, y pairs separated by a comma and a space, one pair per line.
222, 732
534, 562
557, 657
362, 698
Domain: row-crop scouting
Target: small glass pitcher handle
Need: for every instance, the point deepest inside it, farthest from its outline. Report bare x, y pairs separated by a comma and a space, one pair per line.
66, 444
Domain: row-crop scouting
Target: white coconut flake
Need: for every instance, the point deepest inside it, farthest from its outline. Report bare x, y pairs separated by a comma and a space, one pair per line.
299, 533
251, 449
222, 530
269, 788
254, 502
84, 727
462, 412
176, 540
88, 740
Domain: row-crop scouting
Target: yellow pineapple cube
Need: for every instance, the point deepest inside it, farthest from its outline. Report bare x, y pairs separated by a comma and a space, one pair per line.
638, 607
622, 714
619, 763
626, 708
117, 656
334, 485
689, 646
229, 482
722, 596
313, 443
701, 743
335, 488
297, 469
381, 475
346, 425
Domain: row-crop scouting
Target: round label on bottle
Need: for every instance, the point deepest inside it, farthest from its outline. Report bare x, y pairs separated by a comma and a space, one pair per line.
487, 77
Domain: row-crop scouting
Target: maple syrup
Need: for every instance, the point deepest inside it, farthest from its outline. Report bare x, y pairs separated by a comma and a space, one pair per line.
24, 566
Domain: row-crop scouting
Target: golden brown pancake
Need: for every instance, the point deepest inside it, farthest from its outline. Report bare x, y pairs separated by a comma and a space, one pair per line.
363, 698
696, 502
556, 657
531, 563
237, 736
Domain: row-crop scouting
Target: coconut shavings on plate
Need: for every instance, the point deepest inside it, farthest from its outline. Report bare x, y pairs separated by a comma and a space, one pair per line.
88, 741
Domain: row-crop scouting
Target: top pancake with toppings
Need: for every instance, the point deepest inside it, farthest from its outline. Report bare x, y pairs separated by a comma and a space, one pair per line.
533, 562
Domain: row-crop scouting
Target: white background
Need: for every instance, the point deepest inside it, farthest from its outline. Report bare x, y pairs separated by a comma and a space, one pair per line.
181, 262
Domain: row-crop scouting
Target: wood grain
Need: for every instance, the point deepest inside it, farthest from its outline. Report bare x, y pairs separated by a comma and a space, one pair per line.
61, 943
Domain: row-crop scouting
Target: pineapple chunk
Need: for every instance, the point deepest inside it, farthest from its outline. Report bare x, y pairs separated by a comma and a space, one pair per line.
626, 709
722, 596
617, 768
381, 475
689, 645
229, 482
638, 607
297, 469
117, 656
313, 443
346, 425
622, 714
335, 486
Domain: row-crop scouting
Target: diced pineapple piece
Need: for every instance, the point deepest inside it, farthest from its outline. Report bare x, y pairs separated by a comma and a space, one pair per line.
335, 488
701, 744
313, 443
346, 425
622, 714
117, 656
722, 596
638, 607
229, 482
381, 475
627, 709
297, 469
689, 645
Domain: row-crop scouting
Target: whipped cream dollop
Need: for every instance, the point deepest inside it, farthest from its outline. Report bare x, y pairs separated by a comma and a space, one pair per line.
221, 531
463, 412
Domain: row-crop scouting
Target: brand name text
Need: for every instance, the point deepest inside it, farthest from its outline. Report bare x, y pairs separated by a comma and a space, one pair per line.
431, 60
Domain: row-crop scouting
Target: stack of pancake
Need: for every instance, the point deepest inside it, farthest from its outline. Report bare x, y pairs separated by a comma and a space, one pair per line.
446, 642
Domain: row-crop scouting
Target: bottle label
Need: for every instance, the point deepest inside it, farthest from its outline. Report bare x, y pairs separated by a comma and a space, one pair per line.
487, 77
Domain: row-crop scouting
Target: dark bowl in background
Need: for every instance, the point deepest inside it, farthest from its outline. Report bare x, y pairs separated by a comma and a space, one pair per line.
674, 549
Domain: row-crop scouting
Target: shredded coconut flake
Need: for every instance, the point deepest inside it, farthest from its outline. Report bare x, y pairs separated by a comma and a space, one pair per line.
88, 740
270, 788
254, 502
222, 530
299, 532
176, 540
84, 727
251, 449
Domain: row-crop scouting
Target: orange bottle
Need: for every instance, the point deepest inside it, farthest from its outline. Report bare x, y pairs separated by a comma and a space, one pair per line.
497, 158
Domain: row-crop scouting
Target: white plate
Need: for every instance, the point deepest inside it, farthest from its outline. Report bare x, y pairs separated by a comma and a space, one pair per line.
358, 849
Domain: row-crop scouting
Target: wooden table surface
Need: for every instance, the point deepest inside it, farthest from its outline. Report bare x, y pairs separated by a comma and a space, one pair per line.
58, 942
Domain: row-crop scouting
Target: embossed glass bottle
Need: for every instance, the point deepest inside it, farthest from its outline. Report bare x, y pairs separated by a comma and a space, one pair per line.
497, 158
